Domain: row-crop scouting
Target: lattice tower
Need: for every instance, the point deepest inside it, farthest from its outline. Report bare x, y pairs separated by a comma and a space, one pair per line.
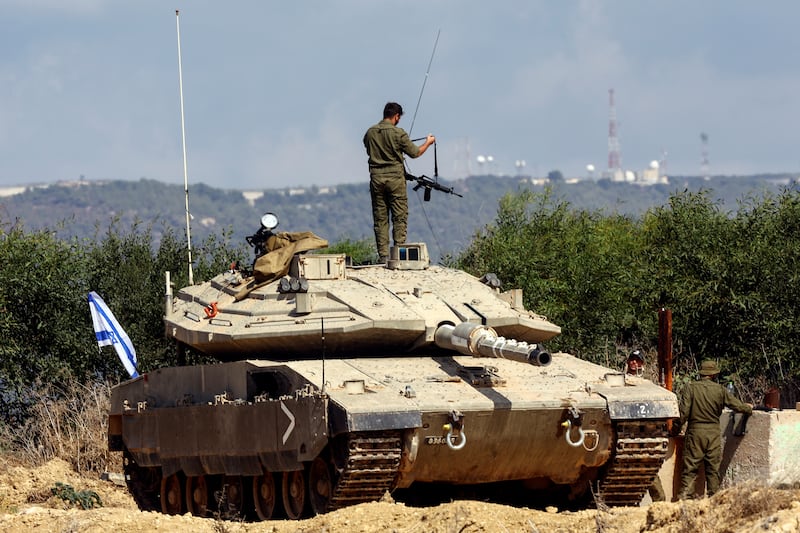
614, 163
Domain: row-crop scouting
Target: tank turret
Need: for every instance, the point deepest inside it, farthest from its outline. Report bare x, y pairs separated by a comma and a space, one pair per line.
338, 383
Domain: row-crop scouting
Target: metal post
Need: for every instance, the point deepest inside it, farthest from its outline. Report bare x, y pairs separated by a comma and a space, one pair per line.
665, 348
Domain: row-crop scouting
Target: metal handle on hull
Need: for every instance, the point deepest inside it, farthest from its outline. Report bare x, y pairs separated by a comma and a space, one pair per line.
595, 435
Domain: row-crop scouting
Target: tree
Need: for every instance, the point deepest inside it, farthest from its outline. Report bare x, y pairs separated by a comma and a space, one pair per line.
44, 310
573, 266
730, 278
46, 334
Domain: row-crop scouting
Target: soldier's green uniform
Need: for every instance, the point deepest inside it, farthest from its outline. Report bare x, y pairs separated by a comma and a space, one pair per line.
701, 405
386, 144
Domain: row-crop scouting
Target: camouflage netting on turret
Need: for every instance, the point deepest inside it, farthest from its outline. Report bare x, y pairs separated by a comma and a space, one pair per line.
274, 264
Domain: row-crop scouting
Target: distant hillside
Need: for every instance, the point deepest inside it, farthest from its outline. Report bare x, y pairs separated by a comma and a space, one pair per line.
447, 223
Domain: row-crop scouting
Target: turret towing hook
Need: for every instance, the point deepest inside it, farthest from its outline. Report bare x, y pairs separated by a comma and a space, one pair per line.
455, 428
567, 425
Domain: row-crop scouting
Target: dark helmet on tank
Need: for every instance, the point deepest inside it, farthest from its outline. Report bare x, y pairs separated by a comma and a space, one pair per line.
635, 362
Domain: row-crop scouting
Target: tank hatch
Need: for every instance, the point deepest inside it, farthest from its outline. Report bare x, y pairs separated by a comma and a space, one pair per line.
409, 256
318, 266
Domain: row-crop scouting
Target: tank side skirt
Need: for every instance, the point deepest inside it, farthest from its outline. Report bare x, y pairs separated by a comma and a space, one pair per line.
276, 435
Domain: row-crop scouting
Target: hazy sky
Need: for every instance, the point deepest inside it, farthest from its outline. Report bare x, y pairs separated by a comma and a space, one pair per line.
280, 93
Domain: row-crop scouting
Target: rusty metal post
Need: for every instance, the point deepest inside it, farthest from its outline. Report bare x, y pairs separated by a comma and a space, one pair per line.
665, 348
665, 378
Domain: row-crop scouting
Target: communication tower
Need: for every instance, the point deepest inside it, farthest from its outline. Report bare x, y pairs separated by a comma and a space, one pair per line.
704, 154
614, 163
462, 166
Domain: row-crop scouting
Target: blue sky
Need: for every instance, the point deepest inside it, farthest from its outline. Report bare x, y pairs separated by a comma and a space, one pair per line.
279, 94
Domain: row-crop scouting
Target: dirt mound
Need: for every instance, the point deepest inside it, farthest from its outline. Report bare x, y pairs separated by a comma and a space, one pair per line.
27, 503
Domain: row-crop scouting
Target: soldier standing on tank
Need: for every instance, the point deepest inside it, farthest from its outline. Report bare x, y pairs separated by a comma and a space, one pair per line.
386, 144
701, 405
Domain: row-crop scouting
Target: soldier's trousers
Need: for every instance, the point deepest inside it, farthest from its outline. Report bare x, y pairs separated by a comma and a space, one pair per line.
389, 196
702, 445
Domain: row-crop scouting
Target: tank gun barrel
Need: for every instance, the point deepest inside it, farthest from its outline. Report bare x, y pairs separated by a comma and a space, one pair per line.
477, 340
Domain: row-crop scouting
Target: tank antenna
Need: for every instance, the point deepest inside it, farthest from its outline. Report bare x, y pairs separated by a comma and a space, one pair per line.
414, 118
183, 137
424, 81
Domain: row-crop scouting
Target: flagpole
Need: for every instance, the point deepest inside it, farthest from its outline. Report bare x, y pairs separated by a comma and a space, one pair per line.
183, 137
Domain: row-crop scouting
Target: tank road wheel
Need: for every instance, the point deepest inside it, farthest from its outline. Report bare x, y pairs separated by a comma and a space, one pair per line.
171, 495
293, 489
265, 494
320, 486
197, 495
232, 504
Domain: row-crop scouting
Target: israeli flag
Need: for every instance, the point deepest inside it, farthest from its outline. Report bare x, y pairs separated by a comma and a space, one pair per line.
110, 333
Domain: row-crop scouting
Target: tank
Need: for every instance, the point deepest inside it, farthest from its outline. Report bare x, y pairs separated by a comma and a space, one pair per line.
338, 384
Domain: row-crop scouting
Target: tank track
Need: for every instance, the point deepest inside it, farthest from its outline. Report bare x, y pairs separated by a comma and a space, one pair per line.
144, 484
641, 449
370, 468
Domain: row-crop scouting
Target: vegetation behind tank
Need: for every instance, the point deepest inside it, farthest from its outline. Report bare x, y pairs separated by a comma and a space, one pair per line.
729, 278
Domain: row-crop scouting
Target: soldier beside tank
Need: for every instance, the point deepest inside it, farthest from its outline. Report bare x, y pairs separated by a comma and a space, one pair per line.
701, 405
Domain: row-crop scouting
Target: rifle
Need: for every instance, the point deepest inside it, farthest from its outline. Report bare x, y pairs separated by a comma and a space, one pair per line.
428, 184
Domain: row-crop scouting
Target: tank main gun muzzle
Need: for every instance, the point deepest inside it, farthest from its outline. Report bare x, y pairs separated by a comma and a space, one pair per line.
477, 340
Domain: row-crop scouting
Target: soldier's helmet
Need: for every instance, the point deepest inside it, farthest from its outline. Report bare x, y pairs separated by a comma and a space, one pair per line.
635, 363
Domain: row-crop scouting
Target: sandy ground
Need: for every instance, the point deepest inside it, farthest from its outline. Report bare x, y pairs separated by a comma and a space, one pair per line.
27, 504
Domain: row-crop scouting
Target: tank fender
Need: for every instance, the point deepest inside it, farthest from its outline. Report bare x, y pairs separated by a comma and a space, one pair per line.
625, 403
639, 408
344, 421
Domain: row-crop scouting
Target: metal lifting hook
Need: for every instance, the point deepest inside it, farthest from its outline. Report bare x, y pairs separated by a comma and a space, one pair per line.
582, 434
461, 443
458, 426
567, 425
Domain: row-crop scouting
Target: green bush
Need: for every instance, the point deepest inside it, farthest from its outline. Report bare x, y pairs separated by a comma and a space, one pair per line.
46, 333
730, 278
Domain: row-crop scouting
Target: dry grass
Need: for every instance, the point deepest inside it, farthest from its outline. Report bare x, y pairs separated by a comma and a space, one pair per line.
69, 423
728, 511
753, 499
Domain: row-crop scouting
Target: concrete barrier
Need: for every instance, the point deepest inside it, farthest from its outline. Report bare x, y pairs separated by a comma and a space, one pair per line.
768, 451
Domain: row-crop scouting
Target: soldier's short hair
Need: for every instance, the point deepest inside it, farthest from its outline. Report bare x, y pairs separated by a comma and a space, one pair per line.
391, 109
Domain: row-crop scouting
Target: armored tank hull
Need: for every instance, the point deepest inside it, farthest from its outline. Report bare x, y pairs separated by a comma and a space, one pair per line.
341, 384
